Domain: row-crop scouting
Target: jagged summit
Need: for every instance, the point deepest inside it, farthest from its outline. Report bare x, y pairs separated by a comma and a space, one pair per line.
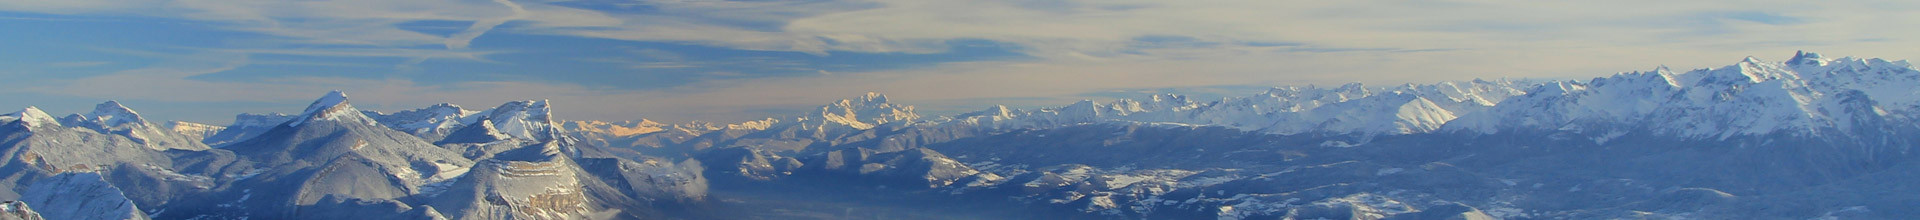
529, 119
1806, 95
432, 123
106, 116
873, 98
1344, 109
999, 111
113, 118
872, 110
1807, 58
864, 112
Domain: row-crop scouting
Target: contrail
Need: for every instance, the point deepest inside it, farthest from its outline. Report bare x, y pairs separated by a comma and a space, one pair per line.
462, 39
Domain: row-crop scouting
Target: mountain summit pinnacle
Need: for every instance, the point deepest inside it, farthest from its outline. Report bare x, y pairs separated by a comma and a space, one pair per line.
112, 114
1806, 58
873, 98
332, 106
327, 102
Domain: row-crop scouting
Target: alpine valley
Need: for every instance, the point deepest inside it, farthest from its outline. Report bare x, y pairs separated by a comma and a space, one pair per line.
1812, 137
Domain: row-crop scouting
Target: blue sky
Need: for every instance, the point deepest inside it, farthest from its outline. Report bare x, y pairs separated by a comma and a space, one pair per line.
713, 60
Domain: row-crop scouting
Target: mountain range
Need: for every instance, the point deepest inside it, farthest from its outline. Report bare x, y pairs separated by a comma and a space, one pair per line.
1811, 137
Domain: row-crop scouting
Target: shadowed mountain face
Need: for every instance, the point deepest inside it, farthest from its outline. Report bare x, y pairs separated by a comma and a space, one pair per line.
1809, 138
81, 196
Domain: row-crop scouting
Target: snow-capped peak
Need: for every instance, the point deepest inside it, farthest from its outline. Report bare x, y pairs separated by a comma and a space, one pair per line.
1348, 108
1000, 111
873, 98
530, 119
871, 110
1806, 95
32, 116
327, 102
332, 106
106, 116
112, 114
1807, 58
112, 118
432, 121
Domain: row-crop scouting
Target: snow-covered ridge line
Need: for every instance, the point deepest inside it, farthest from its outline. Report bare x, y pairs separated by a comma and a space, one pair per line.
1349, 108
1806, 95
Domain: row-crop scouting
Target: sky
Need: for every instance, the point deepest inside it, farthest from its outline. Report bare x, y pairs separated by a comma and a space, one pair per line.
728, 61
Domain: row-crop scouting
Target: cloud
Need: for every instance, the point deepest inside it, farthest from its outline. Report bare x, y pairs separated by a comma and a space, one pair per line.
1078, 47
462, 39
334, 23
78, 64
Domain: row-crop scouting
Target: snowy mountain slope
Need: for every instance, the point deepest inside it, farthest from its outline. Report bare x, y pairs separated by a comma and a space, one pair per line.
530, 120
432, 123
40, 144
534, 182
839, 122
864, 112
246, 126
616, 129
1350, 108
1807, 96
80, 196
31, 117
553, 180
639, 138
195, 132
333, 150
113, 118
511, 126
29, 154
1810, 137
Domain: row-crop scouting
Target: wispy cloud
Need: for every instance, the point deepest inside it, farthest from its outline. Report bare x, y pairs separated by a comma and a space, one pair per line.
370, 52
78, 64
1071, 49
462, 39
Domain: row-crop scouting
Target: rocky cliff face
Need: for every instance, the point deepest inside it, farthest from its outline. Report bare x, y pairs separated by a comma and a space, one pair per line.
16, 210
